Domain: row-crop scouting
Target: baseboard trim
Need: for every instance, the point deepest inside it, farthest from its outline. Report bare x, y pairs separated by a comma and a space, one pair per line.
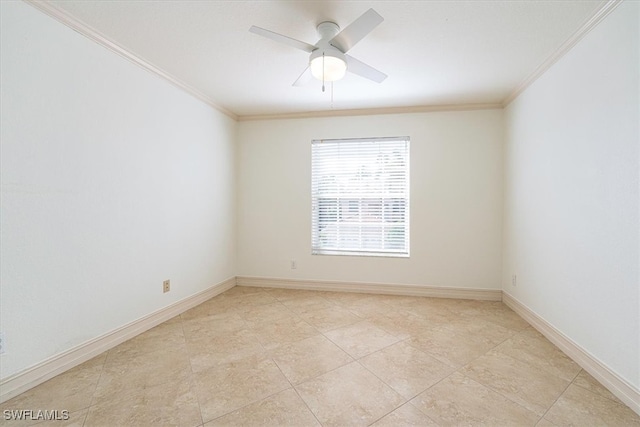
616, 385
55, 365
372, 288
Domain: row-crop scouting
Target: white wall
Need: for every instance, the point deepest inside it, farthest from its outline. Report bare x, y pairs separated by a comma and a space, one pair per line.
571, 229
112, 181
456, 199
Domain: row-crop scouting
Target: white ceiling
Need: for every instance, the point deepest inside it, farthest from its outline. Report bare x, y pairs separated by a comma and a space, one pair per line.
435, 52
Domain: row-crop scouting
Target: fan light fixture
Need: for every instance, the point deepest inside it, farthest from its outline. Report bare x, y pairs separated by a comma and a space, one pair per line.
328, 64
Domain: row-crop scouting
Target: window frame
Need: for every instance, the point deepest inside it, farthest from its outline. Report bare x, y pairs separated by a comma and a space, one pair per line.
384, 203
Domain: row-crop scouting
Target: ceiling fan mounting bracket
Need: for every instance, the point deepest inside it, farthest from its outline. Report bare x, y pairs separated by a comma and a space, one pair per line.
327, 30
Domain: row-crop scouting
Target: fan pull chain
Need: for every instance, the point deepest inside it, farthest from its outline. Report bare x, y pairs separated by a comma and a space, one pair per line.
332, 95
322, 71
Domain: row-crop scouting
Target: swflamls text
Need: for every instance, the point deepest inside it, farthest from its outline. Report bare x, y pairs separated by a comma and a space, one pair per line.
36, 414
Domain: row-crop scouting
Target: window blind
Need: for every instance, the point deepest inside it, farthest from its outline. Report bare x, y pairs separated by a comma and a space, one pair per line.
360, 196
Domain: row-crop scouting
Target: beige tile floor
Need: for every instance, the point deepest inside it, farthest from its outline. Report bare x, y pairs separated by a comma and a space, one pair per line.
274, 357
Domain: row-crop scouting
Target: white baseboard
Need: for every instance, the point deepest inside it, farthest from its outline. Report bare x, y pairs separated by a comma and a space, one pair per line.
55, 365
373, 288
624, 391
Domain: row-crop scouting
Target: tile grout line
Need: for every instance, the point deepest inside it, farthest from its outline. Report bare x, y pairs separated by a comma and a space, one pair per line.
572, 383
500, 392
400, 340
248, 404
268, 353
296, 392
497, 392
524, 361
407, 401
324, 373
617, 402
95, 390
458, 369
192, 376
244, 321
559, 396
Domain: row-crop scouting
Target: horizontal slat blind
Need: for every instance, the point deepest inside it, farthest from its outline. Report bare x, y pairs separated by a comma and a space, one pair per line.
360, 196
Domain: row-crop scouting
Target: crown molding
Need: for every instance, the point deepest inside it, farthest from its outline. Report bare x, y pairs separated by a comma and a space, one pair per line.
94, 35
372, 111
605, 9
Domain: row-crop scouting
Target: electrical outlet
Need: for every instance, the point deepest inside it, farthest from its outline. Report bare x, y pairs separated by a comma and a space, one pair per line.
294, 264
3, 343
166, 286
514, 280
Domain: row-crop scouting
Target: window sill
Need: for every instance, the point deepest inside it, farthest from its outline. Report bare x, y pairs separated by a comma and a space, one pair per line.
360, 254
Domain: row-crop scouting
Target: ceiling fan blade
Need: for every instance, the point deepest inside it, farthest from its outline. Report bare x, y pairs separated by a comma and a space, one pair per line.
282, 39
364, 70
304, 78
356, 31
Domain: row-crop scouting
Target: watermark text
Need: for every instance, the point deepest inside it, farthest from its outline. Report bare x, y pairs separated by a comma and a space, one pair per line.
36, 414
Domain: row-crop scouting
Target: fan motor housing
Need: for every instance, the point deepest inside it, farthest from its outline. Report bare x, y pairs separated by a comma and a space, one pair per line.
327, 30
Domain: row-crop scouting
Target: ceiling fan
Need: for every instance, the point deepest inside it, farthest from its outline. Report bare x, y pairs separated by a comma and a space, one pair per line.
329, 60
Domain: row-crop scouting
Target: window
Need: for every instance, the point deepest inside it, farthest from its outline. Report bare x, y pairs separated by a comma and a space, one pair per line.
360, 196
